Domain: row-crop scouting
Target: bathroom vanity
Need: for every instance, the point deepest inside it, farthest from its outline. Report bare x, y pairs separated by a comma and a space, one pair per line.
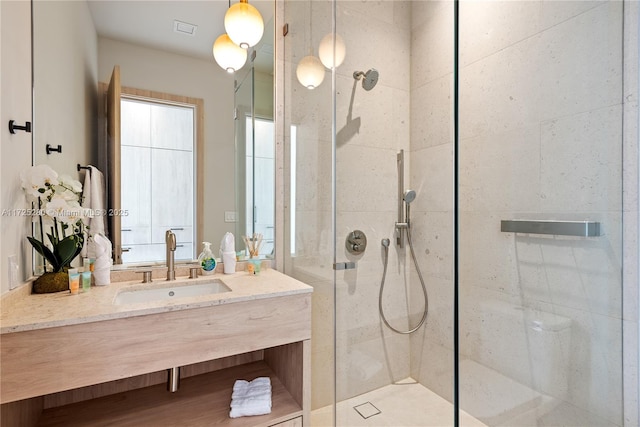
60, 351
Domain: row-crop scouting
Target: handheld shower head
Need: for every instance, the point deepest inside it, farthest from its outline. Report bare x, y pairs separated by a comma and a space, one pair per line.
409, 196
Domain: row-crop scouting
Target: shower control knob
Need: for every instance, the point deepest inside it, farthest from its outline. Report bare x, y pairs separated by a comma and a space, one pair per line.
356, 242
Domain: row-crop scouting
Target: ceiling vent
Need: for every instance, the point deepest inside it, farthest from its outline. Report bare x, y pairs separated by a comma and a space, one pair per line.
184, 28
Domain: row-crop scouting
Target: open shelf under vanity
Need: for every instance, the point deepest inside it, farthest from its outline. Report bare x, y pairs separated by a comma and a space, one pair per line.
202, 400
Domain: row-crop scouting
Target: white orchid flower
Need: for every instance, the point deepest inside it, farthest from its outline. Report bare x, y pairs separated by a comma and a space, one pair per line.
64, 193
59, 211
38, 180
63, 210
70, 183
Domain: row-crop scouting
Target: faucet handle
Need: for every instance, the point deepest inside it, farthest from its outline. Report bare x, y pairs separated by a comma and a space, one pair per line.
146, 276
170, 240
193, 272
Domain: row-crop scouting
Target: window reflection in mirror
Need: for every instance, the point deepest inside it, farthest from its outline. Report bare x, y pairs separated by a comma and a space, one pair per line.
255, 156
260, 185
158, 186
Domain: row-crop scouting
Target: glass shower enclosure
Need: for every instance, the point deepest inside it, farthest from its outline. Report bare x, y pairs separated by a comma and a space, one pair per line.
505, 119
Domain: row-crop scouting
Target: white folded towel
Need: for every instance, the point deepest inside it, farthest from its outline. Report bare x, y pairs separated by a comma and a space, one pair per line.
103, 262
251, 397
94, 199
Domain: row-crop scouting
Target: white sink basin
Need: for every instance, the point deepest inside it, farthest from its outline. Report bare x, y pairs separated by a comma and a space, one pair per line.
171, 291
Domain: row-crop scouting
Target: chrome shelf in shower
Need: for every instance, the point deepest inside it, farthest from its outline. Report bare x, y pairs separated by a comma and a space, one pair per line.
558, 228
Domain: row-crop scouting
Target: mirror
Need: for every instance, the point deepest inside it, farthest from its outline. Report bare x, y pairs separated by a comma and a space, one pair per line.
76, 45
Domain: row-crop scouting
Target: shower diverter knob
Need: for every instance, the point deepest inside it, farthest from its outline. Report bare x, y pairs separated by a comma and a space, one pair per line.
356, 242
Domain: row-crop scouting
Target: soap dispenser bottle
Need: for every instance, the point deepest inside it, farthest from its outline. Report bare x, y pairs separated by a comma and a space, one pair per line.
206, 259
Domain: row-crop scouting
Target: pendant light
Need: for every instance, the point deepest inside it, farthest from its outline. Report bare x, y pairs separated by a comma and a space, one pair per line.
310, 71
244, 24
325, 51
229, 55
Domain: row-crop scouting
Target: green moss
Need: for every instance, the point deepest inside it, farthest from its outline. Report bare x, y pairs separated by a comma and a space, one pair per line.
51, 282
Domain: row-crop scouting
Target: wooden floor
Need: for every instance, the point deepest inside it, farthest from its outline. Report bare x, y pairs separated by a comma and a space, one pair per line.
203, 400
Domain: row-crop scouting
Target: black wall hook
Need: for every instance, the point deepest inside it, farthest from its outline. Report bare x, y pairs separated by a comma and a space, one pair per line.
13, 127
87, 168
50, 149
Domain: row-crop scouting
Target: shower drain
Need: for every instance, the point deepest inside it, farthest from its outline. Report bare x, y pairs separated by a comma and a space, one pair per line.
366, 410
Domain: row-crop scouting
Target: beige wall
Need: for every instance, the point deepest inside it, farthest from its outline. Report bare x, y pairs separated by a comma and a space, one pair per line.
65, 84
263, 94
15, 150
151, 69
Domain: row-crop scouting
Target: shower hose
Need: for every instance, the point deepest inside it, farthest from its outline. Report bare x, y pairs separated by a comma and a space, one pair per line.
385, 244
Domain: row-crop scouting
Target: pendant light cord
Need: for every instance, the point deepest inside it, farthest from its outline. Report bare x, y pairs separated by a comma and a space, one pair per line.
310, 29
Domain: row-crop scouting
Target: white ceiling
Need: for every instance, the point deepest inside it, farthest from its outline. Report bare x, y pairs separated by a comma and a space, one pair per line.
150, 23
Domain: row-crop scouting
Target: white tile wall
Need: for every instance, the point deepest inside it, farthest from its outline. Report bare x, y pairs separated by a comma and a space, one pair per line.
431, 106
583, 152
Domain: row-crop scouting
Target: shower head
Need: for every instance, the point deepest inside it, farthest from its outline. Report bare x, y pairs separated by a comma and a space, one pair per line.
409, 196
370, 78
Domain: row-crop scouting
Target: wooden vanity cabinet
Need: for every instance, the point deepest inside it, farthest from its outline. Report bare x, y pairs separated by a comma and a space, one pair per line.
275, 332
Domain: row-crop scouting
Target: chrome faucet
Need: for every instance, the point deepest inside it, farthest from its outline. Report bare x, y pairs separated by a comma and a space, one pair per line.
170, 240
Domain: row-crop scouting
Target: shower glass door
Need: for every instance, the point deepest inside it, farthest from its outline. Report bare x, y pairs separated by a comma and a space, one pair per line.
393, 121
308, 236
540, 139
371, 150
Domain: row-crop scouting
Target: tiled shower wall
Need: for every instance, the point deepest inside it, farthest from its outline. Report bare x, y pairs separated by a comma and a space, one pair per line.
541, 103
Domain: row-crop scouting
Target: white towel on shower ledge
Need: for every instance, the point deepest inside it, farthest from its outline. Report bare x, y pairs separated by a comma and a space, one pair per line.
93, 198
251, 398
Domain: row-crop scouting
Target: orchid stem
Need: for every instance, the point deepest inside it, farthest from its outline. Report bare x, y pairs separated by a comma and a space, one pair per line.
44, 260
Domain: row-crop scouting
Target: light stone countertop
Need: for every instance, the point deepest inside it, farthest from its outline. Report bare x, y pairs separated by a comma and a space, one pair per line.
40, 311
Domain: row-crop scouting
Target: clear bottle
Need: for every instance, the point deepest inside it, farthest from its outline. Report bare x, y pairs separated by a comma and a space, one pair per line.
206, 259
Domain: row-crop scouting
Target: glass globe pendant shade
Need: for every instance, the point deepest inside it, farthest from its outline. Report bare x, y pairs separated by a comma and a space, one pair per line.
325, 51
310, 72
228, 55
244, 24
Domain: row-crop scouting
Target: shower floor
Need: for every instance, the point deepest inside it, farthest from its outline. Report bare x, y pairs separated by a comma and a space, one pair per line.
404, 404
